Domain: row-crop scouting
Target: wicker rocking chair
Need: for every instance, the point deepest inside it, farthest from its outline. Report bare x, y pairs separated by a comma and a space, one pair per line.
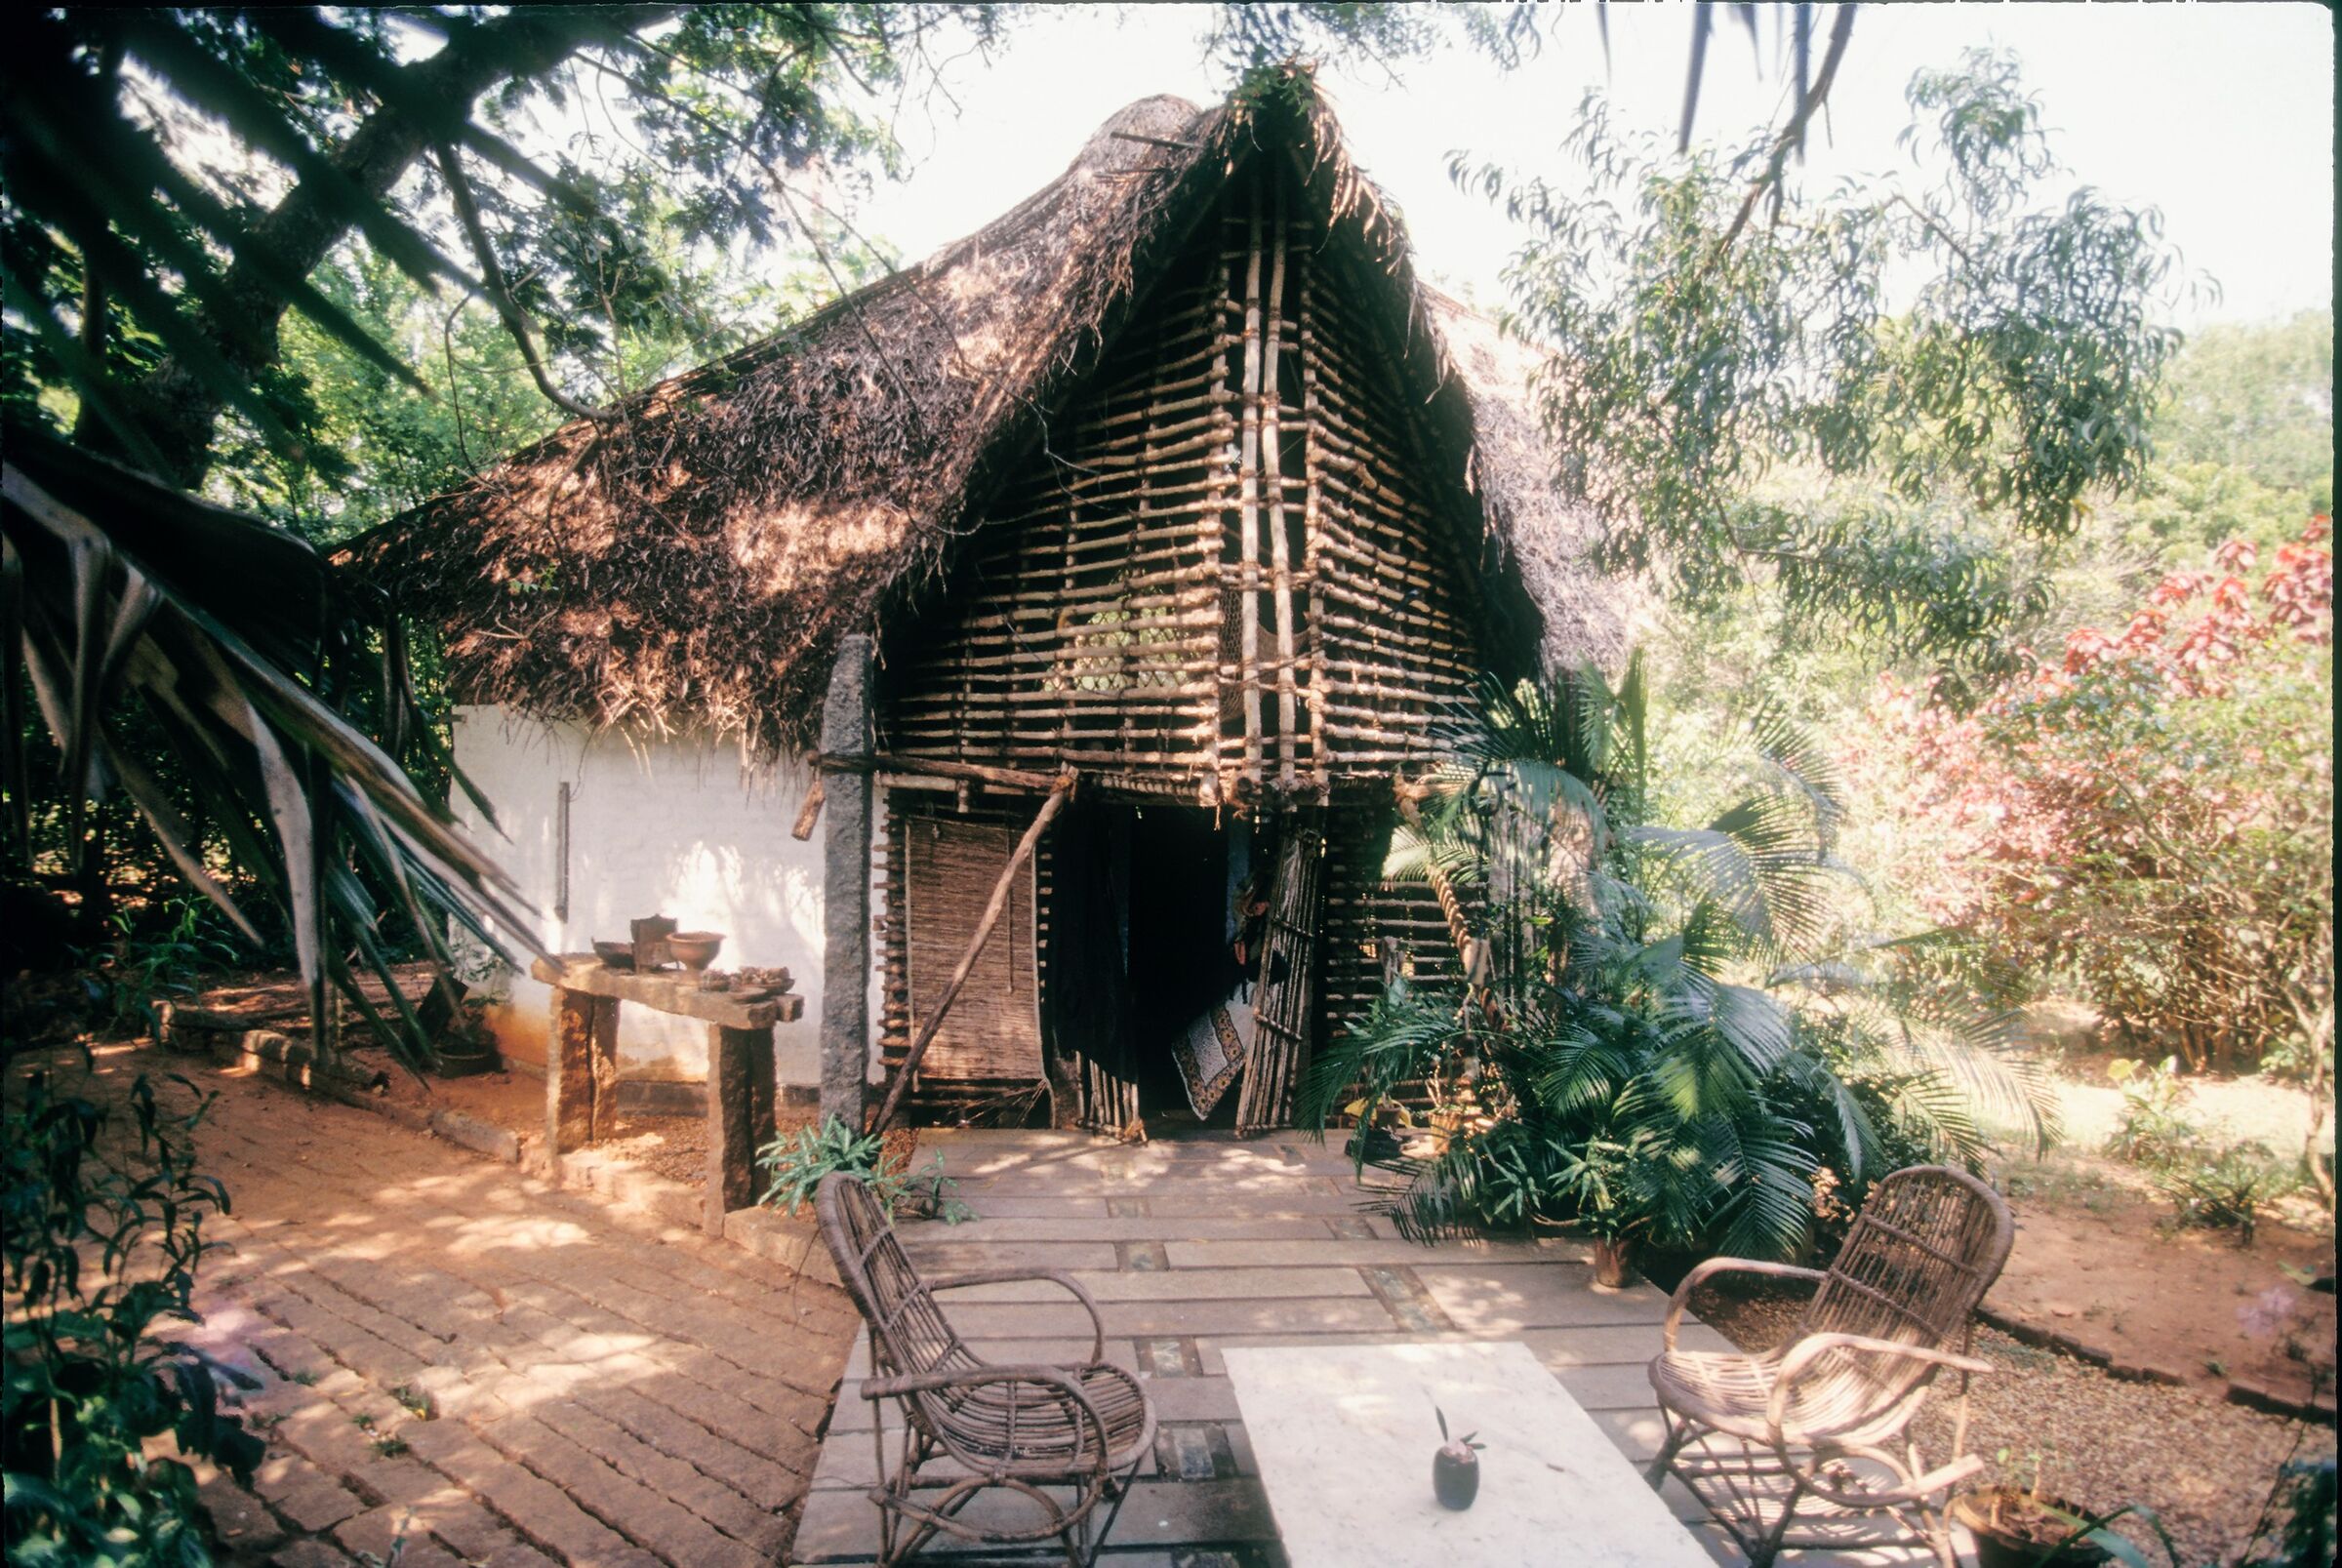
1816, 1427
1023, 1429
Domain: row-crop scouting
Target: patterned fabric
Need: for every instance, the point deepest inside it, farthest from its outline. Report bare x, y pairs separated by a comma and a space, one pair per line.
1211, 1051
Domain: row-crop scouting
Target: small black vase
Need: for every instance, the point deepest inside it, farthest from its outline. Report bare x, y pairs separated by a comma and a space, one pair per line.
1456, 1475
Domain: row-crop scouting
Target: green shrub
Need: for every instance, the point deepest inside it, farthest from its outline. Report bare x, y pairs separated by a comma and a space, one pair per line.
90, 1381
2152, 1127
2225, 1187
1667, 1034
796, 1164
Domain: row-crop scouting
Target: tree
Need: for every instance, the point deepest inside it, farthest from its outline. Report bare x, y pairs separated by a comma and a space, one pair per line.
717, 105
143, 619
1733, 393
2259, 399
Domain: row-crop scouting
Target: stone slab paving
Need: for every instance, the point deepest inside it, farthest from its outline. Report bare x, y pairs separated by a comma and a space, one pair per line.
445, 1352
1195, 1246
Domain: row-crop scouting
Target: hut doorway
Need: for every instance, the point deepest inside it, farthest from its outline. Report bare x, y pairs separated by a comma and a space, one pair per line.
1184, 870
1139, 933
1184, 969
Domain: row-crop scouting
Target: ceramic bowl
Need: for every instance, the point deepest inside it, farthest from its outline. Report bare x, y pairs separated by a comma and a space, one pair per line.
695, 949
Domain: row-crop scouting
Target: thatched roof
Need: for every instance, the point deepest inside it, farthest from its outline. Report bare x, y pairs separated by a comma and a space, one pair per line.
693, 564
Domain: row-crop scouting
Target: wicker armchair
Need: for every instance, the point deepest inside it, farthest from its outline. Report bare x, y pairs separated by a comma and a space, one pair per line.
1816, 1429
1026, 1429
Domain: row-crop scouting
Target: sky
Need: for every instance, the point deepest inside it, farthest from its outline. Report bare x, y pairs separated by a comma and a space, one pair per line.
2221, 115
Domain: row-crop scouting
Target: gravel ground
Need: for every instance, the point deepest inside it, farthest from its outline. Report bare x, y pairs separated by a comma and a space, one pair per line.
2204, 1466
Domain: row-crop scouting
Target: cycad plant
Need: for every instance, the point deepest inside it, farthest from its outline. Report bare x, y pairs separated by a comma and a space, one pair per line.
1662, 1032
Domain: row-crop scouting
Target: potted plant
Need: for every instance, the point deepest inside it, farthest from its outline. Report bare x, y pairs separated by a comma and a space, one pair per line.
1454, 1466
2023, 1527
1611, 1206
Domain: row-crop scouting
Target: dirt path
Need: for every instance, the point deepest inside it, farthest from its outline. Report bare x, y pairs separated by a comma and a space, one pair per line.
444, 1348
2102, 1265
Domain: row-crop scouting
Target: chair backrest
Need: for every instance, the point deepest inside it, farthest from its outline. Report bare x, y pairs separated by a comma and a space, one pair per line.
1926, 1246
908, 1331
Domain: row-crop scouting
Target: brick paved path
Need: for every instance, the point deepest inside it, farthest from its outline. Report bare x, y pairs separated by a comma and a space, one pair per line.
448, 1349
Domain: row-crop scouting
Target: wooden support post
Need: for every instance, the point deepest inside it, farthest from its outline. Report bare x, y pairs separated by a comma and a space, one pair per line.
740, 1117
1313, 511
569, 1073
967, 961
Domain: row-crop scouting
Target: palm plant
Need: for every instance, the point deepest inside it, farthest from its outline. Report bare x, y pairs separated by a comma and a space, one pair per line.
1664, 1031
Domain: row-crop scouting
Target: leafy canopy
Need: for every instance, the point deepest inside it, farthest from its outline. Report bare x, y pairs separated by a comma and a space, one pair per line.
1736, 389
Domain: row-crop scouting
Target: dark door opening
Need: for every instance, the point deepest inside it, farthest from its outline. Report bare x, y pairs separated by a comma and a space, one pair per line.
1179, 958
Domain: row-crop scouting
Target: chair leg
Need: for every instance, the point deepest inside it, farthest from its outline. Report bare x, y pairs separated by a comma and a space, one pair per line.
1763, 1552
896, 1543
1679, 1433
1117, 1492
1937, 1523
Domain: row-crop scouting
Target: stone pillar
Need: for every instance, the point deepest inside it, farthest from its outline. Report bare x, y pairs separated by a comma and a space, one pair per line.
845, 1027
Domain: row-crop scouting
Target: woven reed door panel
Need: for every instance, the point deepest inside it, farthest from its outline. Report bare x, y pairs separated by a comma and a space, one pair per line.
1281, 1003
994, 1029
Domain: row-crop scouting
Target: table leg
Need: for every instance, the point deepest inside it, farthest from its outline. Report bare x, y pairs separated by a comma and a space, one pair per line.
739, 1117
569, 1071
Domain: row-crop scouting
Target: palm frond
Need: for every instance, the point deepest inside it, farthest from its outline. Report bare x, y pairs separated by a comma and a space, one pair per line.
226, 634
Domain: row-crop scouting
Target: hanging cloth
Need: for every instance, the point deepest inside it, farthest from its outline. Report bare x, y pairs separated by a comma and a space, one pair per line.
1089, 985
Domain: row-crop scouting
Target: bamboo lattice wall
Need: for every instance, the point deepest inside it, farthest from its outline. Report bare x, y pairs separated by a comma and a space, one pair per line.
1229, 572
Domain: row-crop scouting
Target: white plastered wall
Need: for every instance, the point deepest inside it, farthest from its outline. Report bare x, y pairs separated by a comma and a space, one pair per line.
677, 827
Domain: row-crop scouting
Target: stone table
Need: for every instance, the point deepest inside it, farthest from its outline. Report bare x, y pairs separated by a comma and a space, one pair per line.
1345, 1435
581, 1066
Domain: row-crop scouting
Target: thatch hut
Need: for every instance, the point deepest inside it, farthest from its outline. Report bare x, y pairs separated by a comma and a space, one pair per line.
1173, 479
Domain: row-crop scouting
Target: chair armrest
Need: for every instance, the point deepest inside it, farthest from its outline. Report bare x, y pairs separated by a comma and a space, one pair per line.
1703, 1272
1018, 1276
1064, 1388
1813, 1347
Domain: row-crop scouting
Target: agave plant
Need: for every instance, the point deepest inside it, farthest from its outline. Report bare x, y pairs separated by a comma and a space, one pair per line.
1663, 1026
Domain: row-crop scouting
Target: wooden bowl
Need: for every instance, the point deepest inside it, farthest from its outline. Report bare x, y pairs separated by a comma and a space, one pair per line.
695, 949
615, 954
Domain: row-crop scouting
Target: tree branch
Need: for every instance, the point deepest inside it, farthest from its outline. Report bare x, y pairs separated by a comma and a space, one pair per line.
492, 283
1793, 135
176, 407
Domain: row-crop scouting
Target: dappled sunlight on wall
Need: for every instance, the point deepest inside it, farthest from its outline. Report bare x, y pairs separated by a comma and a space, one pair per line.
673, 827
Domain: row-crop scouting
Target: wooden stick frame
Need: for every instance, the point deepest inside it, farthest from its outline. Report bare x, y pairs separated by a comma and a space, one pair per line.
1060, 793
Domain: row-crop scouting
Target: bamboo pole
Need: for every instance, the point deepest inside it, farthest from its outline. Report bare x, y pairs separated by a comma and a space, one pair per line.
1059, 794
979, 773
1273, 472
1311, 517
1248, 500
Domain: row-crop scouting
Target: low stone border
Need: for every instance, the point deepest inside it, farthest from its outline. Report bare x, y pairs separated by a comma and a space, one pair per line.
2241, 1392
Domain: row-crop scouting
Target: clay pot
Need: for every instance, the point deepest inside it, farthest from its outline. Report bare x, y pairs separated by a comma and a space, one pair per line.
695, 949
2012, 1530
1613, 1266
1456, 1475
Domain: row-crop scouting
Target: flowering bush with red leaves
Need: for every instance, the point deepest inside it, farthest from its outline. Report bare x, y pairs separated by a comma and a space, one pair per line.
2152, 812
